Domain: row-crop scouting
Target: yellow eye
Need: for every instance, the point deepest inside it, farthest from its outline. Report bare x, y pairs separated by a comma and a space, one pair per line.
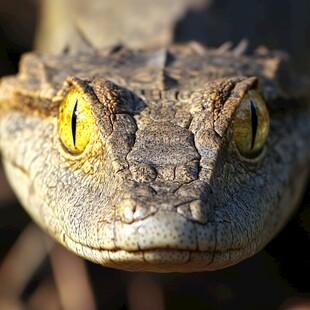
75, 122
251, 124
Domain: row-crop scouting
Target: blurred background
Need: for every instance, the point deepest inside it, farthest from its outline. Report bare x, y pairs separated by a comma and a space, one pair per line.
278, 274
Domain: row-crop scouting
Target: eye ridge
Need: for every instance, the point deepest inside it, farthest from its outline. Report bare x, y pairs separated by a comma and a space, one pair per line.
254, 122
73, 121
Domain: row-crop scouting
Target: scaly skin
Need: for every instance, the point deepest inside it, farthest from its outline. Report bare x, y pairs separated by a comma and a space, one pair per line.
161, 185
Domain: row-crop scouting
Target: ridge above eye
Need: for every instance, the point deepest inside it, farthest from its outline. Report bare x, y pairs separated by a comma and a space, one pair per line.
251, 125
75, 122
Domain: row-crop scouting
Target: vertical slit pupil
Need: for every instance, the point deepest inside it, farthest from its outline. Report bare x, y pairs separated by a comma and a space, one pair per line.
254, 122
73, 121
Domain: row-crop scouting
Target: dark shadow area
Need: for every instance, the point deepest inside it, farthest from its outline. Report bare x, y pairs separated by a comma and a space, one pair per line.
276, 24
18, 19
290, 249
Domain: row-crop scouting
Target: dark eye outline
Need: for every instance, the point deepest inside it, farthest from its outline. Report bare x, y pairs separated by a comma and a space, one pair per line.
254, 122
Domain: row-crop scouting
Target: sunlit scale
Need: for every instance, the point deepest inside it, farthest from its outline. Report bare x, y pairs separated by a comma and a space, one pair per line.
75, 122
251, 124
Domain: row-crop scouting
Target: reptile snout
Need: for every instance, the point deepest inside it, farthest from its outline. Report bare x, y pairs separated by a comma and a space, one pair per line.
164, 151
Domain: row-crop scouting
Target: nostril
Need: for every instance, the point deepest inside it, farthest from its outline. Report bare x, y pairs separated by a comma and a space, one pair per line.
126, 210
130, 210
